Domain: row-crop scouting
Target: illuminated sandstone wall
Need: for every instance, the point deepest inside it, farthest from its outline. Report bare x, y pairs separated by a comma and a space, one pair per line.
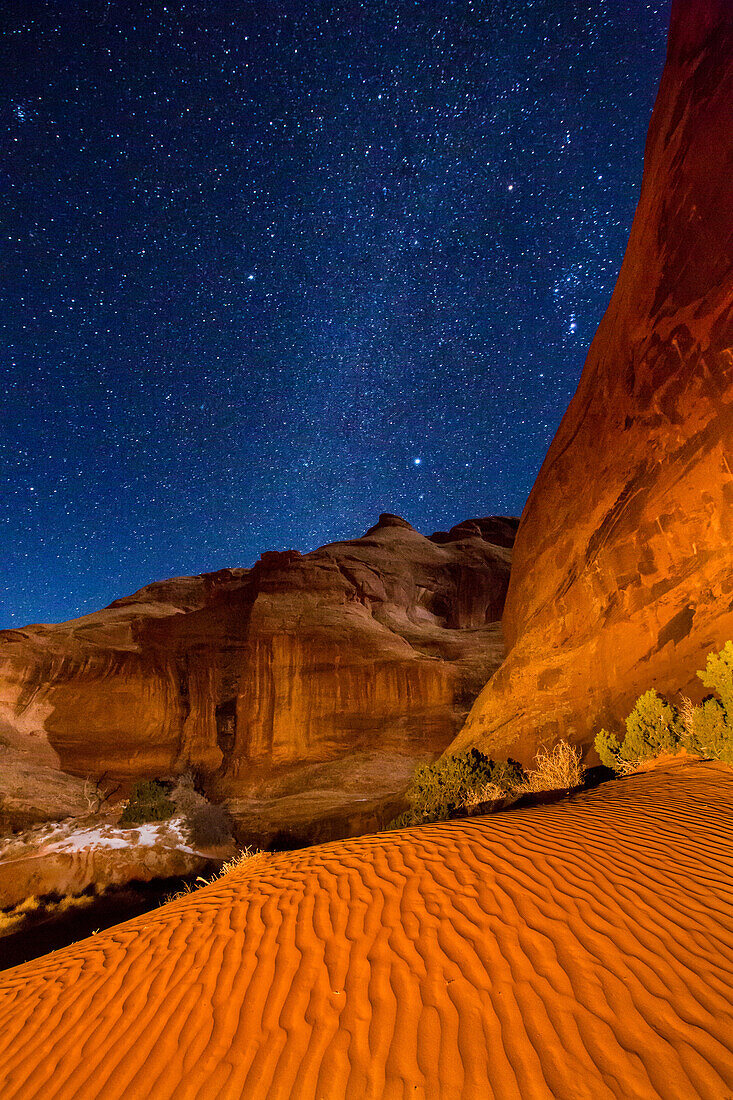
378, 644
622, 574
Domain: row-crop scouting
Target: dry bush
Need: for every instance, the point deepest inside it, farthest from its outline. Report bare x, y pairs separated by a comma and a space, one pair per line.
209, 826
489, 792
186, 800
208, 823
187, 888
14, 918
241, 857
30, 905
686, 711
92, 795
74, 901
555, 769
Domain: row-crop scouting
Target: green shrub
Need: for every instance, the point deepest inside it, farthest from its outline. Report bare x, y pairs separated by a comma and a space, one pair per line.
718, 676
608, 748
712, 731
656, 726
437, 790
149, 801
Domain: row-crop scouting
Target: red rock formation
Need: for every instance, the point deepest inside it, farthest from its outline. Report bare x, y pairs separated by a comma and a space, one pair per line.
379, 643
623, 565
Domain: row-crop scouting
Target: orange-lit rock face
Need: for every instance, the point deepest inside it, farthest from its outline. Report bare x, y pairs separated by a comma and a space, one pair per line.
623, 565
379, 643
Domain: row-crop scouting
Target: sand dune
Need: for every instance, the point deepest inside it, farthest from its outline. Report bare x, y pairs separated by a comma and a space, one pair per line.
582, 949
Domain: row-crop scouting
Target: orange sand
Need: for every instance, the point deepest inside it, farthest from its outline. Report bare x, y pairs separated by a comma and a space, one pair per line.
582, 949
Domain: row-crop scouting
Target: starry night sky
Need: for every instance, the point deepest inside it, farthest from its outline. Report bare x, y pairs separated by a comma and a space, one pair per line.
270, 268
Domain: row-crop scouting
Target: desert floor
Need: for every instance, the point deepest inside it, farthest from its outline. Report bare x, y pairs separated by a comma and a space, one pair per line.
580, 949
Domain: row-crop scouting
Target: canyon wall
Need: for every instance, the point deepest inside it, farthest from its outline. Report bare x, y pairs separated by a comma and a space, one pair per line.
622, 574
375, 644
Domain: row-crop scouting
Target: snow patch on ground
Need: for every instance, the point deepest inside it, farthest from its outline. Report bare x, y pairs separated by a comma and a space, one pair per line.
86, 838
158, 834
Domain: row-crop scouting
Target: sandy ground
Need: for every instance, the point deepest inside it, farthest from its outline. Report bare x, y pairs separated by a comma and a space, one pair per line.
580, 950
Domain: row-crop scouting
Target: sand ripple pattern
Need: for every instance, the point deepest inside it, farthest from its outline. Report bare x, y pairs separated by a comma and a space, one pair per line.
578, 950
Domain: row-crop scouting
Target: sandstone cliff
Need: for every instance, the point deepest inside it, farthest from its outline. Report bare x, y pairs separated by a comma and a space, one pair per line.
378, 644
623, 565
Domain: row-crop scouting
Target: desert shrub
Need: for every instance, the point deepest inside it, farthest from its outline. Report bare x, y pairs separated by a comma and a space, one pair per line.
490, 792
555, 769
712, 731
209, 826
718, 676
244, 855
10, 922
186, 800
608, 747
149, 801
437, 790
506, 774
655, 726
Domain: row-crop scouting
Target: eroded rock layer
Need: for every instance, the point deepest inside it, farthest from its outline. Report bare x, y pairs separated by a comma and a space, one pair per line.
379, 643
622, 576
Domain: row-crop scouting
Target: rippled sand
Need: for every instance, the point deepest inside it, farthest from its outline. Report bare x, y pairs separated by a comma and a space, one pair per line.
581, 949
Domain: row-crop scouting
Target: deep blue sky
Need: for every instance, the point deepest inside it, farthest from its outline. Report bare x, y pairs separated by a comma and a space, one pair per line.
259, 258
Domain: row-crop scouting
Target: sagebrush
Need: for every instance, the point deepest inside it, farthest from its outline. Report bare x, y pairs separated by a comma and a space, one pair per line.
437, 790
453, 783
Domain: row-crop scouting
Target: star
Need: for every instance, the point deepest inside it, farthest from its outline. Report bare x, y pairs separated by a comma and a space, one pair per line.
401, 298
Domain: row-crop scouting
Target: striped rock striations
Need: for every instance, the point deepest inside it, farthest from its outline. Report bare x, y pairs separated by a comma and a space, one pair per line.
376, 644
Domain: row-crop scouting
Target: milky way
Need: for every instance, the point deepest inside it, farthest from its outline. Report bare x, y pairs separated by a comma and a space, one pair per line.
272, 268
